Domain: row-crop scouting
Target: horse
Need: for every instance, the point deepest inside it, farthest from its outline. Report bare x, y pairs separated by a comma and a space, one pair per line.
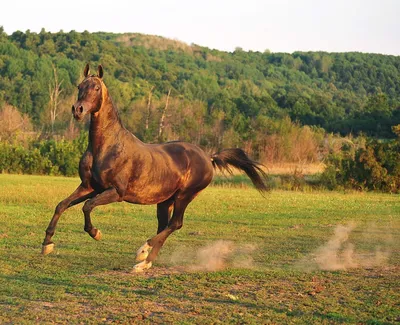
117, 166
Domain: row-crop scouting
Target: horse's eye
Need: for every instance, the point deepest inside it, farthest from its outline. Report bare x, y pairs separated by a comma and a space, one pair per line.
97, 88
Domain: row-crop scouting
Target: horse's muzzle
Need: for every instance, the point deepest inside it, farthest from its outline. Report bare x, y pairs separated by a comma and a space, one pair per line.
78, 112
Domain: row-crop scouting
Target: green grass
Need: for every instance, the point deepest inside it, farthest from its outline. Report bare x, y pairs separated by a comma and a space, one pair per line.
86, 282
288, 181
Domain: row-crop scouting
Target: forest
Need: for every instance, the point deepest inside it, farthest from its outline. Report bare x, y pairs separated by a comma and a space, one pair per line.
277, 106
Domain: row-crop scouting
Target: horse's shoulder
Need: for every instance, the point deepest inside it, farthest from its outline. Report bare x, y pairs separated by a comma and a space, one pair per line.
87, 158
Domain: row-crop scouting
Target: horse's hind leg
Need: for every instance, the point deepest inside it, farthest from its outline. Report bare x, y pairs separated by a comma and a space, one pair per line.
157, 241
79, 195
164, 210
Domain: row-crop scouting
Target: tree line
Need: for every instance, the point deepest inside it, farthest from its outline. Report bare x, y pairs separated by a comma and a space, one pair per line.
340, 92
278, 106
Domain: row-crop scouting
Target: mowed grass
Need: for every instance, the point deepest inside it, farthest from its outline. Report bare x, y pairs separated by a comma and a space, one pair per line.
264, 279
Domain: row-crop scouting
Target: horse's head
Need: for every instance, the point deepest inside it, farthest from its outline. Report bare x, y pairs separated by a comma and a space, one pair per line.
90, 95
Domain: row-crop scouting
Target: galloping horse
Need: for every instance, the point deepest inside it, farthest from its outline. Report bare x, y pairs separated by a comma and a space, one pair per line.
117, 167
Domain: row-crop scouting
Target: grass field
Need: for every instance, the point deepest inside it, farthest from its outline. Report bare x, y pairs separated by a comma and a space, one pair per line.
291, 257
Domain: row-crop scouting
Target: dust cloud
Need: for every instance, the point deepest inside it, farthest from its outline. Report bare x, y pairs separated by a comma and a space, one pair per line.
341, 253
215, 256
350, 246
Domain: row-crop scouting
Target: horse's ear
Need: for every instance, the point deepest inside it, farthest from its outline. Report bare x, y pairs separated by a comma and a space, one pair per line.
100, 71
86, 71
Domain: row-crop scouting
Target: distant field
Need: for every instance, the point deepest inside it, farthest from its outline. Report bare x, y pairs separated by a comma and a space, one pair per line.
291, 257
290, 168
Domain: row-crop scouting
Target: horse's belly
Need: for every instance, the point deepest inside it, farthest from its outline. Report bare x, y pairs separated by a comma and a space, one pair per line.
150, 194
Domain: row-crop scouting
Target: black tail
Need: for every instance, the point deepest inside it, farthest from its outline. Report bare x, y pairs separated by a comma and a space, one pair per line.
237, 158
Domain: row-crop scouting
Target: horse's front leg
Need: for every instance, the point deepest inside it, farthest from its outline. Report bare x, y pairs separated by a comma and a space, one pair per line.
108, 196
79, 195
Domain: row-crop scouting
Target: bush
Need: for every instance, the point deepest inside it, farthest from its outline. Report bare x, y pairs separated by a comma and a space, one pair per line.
373, 167
42, 157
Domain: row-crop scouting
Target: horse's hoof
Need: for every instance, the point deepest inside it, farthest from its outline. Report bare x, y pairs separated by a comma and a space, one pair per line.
140, 267
143, 252
98, 235
47, 249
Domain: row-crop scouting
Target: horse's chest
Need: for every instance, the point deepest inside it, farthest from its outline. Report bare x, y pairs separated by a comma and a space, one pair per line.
103, 173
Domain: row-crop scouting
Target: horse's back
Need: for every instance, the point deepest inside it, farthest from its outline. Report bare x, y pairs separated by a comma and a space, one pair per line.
186, 152
193, 160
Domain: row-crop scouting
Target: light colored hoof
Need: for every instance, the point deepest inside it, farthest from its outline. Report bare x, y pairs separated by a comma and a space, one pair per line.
47, 249
140, 267
98, 235
143, 252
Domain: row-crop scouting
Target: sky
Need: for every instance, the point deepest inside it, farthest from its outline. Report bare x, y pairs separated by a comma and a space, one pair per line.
371, 26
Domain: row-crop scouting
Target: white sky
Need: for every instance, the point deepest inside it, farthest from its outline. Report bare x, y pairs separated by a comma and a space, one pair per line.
280, 26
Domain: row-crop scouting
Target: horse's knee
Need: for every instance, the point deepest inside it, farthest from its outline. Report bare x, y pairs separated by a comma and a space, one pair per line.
60, 208
87, 207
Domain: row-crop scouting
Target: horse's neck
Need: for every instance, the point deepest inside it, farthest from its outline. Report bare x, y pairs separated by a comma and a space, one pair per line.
104, 125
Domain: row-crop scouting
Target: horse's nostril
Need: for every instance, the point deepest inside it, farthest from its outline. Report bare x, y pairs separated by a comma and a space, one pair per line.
80, 109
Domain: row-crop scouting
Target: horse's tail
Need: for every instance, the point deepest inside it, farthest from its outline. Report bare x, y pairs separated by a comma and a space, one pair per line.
238, 158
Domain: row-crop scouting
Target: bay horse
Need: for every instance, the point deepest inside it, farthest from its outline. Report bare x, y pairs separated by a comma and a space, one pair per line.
117, 167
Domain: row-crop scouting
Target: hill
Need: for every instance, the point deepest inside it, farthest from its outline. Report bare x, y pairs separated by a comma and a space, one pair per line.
216, 97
